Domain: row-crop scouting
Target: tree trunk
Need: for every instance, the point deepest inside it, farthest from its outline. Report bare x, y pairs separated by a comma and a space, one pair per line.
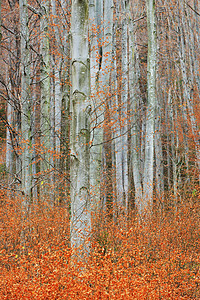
124, 108
45, 120
26, 106
9, 141
97, 115
150, 114
80, 226
135, 132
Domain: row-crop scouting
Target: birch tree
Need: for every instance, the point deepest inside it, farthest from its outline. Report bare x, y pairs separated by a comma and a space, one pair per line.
80, 128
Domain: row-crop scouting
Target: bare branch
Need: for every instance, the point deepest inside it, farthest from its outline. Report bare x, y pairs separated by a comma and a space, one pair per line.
35, 11
196, 12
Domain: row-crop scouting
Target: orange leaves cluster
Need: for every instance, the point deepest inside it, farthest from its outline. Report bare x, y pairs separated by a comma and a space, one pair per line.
155, 260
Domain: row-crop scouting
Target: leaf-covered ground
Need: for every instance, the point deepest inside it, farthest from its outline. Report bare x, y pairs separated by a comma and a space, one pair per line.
156, 260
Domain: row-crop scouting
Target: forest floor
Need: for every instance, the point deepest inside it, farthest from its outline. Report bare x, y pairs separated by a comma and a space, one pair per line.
158, 259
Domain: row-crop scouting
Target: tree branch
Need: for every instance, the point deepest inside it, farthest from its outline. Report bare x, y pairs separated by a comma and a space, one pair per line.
196, 12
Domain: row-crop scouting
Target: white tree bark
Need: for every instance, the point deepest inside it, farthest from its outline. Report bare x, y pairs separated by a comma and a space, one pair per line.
187, 83
104, 89
118, 137
134, 101
45, 121
159, 184
57, 82
80, 129
122, 164
10, 161
100, 72
9, 146
33, 133
150, 114
97, 116
159, 170
173, 144
26, 104
115, 105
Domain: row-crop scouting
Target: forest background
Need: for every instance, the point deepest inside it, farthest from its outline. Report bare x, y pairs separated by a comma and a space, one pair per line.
100, 160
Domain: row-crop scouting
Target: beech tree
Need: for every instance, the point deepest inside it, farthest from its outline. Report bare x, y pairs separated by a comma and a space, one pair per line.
151, 104
80, 128
26, 103
144, 184
97, 113
45, 109
106, 104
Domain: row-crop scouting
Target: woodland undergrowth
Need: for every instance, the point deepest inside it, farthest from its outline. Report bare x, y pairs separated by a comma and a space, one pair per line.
158, 259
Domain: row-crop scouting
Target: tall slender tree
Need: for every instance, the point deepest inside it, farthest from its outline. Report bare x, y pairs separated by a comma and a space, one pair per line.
124, 106
134, 105
45, 121
97, 114
26, 103
151, 105
80, 128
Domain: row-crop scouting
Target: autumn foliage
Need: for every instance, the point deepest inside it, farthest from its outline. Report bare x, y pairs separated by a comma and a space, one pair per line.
158, 259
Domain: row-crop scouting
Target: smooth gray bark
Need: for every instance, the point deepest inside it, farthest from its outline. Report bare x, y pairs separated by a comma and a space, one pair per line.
123, 196
26, 105
134, 106
57, 87
187, 84
144, 186
45, 120
97, 115
104, 89
80, 225
150, 114
9, 141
